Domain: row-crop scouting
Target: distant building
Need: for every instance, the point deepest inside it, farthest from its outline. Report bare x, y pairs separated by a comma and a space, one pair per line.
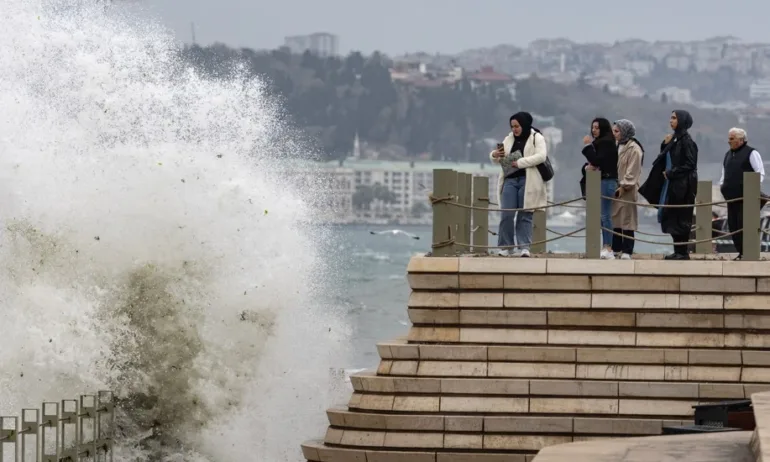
410, 183
759, 90
322, 44
675, 95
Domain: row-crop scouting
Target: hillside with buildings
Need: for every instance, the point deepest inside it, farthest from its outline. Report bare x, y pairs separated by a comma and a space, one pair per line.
381, 124
721, 72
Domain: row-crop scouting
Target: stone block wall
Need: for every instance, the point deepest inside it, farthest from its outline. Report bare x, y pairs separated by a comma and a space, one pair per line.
507, 356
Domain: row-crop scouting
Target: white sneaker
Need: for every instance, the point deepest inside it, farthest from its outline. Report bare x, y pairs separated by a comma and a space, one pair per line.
625, 256
504, 253
525, 253
606, 255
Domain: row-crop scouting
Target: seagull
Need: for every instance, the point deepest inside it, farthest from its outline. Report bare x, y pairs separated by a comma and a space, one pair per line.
395, 232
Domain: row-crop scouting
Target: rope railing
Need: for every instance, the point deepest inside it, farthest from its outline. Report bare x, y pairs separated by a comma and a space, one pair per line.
456, 209
670, 206
450, 200
697, 241
467, 245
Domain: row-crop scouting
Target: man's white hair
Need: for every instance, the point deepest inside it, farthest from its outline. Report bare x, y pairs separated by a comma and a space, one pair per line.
739, 132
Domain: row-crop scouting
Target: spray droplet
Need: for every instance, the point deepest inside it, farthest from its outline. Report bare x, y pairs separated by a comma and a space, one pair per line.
160, 163
265, 211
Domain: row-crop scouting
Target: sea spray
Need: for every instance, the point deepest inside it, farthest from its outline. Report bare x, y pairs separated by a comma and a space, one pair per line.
153, 243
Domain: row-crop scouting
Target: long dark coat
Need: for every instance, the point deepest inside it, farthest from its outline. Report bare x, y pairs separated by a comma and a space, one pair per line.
683, 179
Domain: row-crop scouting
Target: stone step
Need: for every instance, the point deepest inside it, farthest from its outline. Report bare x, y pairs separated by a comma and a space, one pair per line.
368, 382
315, 451
622, 406
344, 419
564, 301
590, 283
568, 266
537, 370
627, 320
584, 337
399, 349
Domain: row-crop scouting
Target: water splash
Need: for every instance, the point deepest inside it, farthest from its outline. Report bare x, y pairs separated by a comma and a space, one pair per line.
135, 249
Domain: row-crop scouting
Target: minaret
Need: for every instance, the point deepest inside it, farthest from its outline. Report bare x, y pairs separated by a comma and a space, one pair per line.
356, 148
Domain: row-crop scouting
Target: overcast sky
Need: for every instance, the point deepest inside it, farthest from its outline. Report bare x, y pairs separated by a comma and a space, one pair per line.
397, 26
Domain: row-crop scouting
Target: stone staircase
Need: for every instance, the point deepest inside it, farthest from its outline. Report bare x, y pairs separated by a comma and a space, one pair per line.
507, 356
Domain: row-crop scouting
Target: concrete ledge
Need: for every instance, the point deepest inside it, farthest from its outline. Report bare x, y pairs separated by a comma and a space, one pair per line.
760, 443
315, 451
342, 419
623, 406
566, 264
716, 447
401, 350
369, 382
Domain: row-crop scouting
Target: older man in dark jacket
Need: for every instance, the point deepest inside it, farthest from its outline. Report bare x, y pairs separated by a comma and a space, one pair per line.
739, 159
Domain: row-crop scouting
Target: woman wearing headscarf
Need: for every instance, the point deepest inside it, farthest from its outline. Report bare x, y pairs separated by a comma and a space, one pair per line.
673, 180
624, 215
520, 184
601, 152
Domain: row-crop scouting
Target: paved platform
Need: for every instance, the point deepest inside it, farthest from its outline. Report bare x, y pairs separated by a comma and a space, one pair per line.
718, 447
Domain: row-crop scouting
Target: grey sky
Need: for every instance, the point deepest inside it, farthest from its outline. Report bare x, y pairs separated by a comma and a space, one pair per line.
396, 26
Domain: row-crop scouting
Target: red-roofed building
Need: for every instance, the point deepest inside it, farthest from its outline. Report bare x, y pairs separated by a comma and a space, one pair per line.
487, 75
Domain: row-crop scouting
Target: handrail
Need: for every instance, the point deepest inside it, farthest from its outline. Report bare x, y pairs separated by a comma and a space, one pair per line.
461, 205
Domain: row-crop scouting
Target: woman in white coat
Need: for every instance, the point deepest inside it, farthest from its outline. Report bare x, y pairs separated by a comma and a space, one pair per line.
520, 184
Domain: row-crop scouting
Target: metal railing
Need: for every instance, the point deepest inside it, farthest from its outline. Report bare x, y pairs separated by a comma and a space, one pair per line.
461, 222
73, 430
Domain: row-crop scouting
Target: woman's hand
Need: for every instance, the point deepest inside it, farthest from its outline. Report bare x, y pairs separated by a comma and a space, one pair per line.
587, 139
514, 164
668, 138
498, 154
591, 167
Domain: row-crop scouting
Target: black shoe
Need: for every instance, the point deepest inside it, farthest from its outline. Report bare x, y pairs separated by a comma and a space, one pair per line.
738, 258
677, 256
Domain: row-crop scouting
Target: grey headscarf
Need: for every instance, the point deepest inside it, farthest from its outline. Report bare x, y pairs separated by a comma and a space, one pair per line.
627, 130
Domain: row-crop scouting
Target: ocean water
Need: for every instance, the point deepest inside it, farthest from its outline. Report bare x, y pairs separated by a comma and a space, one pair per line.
153, 244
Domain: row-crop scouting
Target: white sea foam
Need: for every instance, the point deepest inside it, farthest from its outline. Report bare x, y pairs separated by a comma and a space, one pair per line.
150, 243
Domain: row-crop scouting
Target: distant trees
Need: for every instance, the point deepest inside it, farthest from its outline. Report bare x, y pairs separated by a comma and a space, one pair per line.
366, 195
333, 98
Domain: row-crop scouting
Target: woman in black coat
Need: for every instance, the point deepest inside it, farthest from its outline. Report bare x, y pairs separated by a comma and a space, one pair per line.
673, 180
601, 152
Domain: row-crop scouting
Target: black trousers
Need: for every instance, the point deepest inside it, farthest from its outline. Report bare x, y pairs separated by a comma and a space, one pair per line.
734, 223
624, 243
680, 243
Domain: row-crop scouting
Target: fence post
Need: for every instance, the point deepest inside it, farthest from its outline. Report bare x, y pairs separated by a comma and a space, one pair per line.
463, 214
480, 229
593, 214
703, 219
539, 232
751, 209
444, 232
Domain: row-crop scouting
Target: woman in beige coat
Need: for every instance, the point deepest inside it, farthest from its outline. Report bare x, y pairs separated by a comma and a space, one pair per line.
520, 185
624, 216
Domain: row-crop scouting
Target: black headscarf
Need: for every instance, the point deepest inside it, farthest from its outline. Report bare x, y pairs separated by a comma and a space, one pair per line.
525, 120
684, 122
605, 128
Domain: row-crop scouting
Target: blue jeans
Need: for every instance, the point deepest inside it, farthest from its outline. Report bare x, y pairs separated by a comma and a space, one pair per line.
608, 190
513, 198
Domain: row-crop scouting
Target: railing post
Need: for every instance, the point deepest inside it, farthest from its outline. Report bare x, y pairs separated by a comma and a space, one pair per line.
751, 244
444, 225
480, 223
593, 214
703, 223
464, 214
539, 232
